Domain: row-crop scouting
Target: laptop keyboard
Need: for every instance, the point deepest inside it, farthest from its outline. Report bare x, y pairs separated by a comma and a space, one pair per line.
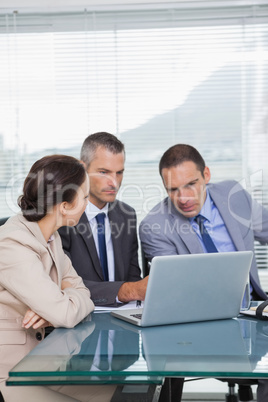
137, 316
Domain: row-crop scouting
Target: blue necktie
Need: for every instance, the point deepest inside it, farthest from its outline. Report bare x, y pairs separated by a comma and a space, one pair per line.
207, 240
102, 245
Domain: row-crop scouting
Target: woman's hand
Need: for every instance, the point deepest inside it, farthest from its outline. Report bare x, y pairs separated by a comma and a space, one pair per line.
31, 319
65, 284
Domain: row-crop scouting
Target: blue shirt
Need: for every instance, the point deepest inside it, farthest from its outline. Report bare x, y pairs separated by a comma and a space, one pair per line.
215, 227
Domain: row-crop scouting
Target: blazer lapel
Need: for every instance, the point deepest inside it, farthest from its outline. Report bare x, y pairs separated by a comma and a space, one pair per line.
33, 227
184, 229
221, 203
117, 226
84, 230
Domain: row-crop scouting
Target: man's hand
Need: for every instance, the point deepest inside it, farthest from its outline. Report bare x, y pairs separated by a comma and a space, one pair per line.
133, 290
31, 319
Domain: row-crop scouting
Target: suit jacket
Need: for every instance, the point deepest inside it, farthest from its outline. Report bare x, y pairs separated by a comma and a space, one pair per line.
164, 231
78, 243
31, 272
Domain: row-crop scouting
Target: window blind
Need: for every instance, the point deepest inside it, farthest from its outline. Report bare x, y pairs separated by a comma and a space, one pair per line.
153, 77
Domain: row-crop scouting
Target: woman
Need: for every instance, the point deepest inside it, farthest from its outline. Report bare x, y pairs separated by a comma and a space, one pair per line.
38, 285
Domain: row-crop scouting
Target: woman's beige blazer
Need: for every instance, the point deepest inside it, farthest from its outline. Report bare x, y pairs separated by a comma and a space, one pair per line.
31, 272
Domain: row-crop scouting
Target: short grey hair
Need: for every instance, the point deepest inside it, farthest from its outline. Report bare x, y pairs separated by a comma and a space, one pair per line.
101, 139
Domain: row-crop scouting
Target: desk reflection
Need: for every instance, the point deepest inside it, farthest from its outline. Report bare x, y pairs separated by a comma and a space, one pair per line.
96, 345
207, 347
212, 348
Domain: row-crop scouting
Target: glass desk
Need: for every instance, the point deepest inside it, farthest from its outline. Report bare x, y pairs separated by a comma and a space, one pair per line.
103, 349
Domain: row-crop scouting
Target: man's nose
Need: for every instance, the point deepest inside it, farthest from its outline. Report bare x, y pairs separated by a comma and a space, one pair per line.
183, 200
182, 197
112, 180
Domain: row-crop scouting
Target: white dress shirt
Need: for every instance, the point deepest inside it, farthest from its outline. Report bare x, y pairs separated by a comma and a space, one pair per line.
91, 212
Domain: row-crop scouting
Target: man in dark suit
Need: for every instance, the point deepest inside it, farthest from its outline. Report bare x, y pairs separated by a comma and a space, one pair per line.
103, 156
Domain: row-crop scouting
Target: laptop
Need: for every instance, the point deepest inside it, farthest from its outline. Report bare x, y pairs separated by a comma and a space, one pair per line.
192, 287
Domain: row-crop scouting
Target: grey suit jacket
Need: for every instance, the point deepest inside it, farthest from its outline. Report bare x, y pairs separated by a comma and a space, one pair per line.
78, 243
164, 231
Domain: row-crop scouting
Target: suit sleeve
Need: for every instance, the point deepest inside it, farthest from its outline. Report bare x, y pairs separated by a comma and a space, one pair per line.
154, 241
102, 293
78, 245
134, 271
24, 276
249, 214
125, 250
260, 222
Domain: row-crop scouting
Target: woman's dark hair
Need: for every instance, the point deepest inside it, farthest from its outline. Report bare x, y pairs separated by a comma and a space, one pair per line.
177, 154
51, 180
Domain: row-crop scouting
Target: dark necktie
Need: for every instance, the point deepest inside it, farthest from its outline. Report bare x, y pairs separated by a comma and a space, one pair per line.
207, 240
102, 245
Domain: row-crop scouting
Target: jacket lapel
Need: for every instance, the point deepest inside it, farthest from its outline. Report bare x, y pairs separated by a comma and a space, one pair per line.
221, 202
54, 271
117, 226
184, 229
83, 229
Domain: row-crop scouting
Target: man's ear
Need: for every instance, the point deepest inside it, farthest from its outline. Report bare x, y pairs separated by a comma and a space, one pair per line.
207, 174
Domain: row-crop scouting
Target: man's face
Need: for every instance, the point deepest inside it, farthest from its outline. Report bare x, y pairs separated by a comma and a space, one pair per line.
186, 187
105, 176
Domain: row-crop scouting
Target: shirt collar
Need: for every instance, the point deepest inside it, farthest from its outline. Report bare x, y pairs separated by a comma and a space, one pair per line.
92, 211
206, 210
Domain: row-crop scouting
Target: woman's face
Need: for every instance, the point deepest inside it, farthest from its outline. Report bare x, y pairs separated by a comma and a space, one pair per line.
74, 210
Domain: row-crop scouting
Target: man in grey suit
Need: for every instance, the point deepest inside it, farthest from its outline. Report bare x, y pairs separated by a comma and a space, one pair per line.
103, 156
232, 218
228, 214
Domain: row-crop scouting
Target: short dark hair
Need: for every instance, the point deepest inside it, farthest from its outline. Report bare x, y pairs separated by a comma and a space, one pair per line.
51, 180
101, 139
177, 154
